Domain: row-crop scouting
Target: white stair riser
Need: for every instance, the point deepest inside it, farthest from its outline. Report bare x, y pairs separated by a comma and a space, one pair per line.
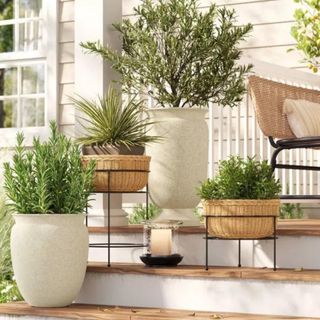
247, 296
292, 252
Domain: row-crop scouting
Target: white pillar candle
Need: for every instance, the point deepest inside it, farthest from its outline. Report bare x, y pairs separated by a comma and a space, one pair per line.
161, 242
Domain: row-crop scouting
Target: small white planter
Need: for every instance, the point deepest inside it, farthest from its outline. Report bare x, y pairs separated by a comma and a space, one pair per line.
49, 257
178, 163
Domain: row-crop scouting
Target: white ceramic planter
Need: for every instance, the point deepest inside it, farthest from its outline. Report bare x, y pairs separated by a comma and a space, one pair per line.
180, 162
49, 257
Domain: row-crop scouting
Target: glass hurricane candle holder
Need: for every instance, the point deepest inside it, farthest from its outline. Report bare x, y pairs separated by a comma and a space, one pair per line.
161, 244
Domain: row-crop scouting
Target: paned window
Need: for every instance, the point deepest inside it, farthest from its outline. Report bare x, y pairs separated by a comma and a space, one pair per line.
24, 64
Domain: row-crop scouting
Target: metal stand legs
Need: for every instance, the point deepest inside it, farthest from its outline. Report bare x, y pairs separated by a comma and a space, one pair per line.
273, 237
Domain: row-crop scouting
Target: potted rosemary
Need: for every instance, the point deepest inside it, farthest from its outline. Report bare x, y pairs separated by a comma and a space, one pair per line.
241, 188
183, 58
48, 189
115, 135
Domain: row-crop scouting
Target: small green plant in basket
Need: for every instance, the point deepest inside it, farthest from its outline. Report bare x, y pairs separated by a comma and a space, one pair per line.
241, 179
247, 191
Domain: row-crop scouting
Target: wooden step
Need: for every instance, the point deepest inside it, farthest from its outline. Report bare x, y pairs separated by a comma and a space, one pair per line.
286, 292
212, 273
96, 312
298, 227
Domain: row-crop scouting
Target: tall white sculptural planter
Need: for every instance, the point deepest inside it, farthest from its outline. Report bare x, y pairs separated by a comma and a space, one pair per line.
179, 162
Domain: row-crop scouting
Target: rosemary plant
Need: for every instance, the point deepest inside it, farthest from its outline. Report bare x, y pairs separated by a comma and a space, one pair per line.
49, 178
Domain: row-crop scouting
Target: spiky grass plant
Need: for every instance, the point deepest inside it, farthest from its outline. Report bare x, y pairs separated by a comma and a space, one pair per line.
49, 178
109, 122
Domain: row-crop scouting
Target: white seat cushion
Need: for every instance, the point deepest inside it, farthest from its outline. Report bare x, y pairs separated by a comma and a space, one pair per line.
303, 117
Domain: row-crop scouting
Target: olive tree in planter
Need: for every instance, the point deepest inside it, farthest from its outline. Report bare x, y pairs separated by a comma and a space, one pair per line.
49, 189
245, 188
115, 135
183, 58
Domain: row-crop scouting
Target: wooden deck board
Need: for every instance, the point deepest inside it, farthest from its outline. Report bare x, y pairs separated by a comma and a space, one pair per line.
93, 312
300, 227
213, 272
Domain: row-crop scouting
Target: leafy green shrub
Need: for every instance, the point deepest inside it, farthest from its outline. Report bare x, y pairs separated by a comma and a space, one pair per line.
49, 178
6, 223
291, 211
241, 179
139, 214
9, 291
306, 31
198, 214
109, 122
188, 57
8, 287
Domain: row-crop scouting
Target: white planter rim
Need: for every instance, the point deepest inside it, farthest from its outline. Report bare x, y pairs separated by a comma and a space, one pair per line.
204, 109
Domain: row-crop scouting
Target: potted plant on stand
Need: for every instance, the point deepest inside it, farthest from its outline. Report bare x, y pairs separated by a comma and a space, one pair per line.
115, 135
49, 189
241, 188
183, 58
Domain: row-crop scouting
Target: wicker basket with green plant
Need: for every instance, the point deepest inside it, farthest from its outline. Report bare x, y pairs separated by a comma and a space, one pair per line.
243, 188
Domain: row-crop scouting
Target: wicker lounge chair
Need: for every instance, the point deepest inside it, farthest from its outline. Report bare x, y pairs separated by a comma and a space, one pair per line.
268, 97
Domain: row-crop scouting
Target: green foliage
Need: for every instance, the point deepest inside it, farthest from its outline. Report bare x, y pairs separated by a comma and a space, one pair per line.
139, 214
306, 31
49, 178
109, 123
6, 223
8, 287
6, 31
198, 214
187, 56
291, 211
241, 179
9, 291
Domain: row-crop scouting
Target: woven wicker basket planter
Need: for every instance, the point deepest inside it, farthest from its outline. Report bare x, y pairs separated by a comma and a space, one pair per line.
119, 181
248, 228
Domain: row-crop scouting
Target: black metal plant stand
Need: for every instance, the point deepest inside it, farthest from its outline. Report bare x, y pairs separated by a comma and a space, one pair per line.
273, 237
109, 245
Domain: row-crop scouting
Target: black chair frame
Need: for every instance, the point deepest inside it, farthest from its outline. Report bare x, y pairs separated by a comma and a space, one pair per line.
289, 144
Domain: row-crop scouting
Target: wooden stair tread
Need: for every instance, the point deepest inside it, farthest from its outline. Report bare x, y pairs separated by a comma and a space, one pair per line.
94, 312
299, 227
213, 272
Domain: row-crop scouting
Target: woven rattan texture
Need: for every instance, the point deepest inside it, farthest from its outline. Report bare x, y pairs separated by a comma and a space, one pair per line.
119, 181
233, 227
268, 97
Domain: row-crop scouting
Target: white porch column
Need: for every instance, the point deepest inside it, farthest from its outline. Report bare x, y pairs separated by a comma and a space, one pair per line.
93, 21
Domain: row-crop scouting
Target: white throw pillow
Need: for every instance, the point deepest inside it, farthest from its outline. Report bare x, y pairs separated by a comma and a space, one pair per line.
303, 117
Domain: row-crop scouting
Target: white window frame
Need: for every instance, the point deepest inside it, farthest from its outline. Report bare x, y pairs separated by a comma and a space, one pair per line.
48, 54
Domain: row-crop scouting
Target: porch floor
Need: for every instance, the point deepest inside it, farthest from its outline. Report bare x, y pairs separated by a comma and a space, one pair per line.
95, 312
